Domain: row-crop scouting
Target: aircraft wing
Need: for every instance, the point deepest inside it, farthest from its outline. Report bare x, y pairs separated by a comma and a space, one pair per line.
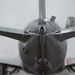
12, 61
70, 64
64, 34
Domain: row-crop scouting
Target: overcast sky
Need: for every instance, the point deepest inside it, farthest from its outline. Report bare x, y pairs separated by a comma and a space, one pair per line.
18, 13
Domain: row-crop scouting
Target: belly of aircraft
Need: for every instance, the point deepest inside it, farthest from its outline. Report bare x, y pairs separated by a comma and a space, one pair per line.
31, 52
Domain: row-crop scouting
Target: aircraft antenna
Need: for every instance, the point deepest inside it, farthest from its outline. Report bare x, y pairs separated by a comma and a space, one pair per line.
42, 13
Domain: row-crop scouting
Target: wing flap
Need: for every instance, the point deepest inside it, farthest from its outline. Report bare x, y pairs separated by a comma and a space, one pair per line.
70, 62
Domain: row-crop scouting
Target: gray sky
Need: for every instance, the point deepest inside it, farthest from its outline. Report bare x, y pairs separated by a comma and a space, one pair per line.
18, 13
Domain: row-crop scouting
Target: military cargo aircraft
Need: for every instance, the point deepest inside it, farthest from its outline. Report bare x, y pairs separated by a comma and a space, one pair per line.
42, 46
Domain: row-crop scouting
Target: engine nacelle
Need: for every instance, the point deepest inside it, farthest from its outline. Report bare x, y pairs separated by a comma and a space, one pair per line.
70, 22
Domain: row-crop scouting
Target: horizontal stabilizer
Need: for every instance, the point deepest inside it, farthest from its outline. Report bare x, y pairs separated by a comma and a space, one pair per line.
14, 34
64, 34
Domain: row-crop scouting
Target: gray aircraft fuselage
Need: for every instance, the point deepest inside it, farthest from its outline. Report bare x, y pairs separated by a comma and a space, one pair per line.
53, 50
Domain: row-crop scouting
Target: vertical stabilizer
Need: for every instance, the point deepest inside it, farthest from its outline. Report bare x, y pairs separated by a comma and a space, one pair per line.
42, 13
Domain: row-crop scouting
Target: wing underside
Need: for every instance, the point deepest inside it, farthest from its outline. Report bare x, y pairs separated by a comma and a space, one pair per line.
11, 61
10, 66
70, 64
